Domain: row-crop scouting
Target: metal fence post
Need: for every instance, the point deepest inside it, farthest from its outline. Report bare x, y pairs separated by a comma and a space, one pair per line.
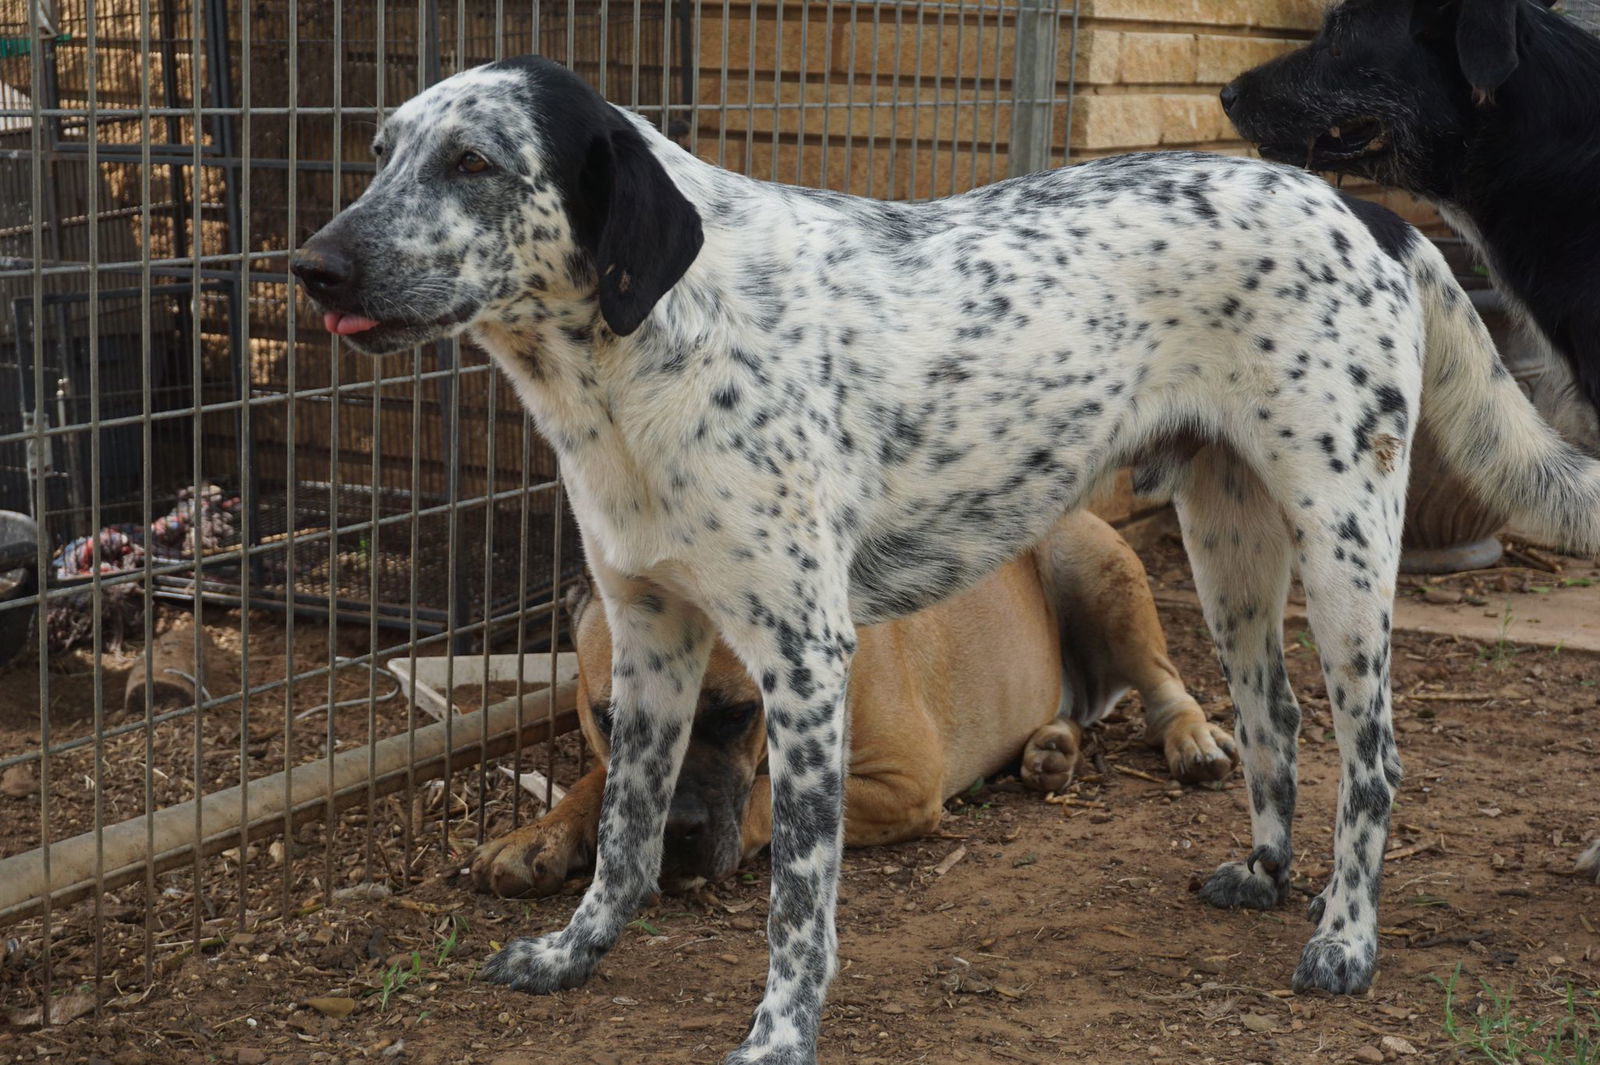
1033, 83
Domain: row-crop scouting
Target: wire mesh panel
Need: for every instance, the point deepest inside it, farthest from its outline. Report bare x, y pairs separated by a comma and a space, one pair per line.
229, 549
896, 100
1585, 12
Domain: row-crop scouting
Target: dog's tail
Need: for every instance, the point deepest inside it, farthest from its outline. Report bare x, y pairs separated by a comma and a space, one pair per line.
1490, 434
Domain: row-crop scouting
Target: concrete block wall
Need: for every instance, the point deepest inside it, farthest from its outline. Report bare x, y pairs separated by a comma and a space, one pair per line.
1148, 73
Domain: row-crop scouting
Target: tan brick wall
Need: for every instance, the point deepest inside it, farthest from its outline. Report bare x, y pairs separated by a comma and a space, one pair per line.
1149, 70
907, 107
929, 89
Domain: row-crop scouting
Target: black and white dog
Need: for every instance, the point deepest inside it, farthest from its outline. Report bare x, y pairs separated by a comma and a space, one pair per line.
782, 413
1488, 108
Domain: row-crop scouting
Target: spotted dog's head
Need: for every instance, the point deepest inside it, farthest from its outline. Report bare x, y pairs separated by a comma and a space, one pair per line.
1391, 90
727, 746
504, 193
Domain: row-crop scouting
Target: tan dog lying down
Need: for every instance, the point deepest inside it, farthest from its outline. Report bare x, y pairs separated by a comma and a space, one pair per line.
938, 699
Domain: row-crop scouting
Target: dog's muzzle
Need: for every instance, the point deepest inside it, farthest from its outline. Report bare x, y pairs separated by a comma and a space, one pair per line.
702, 840
329, 274
334, 266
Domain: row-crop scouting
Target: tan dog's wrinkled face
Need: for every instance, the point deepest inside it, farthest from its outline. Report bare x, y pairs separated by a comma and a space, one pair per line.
727, 746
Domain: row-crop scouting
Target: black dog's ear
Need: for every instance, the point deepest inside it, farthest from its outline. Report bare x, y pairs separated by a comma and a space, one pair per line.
1486, 44
641, 230
1431, 20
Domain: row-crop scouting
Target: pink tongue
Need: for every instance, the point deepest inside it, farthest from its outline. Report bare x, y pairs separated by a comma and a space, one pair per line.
345, 324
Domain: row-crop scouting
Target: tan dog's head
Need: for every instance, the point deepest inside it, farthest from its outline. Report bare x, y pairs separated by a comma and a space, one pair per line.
726, 747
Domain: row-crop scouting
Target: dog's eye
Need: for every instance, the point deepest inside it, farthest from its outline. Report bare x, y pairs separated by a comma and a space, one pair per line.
1335, 51
472, 163
730, 722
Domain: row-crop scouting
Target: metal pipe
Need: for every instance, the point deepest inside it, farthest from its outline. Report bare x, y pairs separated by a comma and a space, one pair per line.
63, 872
1032, 86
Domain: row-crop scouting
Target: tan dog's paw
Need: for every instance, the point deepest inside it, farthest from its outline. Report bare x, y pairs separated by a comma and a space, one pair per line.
532, 861
1200, 751
1050, 760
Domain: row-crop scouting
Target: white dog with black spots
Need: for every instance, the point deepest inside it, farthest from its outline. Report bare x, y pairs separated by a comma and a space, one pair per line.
782, 413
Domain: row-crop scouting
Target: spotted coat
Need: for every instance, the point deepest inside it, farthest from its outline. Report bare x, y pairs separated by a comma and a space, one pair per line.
783, 412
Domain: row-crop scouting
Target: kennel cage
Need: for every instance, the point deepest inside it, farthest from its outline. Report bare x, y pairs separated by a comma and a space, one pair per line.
194, 165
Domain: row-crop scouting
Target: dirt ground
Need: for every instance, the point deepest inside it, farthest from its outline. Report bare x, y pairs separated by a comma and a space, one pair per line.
1025, 932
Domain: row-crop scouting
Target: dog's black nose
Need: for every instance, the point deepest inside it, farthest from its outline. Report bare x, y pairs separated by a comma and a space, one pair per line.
688, 837
325, 270
684, 829
1229, 95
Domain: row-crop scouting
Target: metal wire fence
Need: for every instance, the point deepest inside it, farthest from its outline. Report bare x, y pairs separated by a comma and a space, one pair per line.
1586, 12
254, 589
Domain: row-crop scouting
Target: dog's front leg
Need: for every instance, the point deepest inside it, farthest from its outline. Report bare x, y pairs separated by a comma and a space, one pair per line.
536, 859
802, 662
660, 643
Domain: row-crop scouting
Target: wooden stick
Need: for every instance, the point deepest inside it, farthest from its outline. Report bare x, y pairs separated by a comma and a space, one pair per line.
1410, 852
1068, 800
949, 861
1534, 557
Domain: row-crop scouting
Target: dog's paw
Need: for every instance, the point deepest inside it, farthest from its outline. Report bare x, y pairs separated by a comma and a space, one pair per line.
540, 966
532, 861
1050, 760
1200, 751
1336, 963
1256, 883
1589, 861
749, 1054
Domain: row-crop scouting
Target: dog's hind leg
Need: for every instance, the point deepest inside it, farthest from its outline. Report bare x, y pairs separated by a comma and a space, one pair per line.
1050, 758
796, 637
1238, 545
1349, 553
659, 647
1111, 640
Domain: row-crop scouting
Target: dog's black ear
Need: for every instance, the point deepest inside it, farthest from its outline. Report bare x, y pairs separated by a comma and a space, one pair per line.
641, 230
1431, 20
1486, 43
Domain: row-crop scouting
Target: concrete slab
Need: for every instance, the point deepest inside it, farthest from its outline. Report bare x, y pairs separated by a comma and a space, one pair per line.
1566, 617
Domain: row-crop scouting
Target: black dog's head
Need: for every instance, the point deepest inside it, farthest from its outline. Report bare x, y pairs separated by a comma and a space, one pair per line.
499, 190
1490, 108
1390, 90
